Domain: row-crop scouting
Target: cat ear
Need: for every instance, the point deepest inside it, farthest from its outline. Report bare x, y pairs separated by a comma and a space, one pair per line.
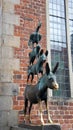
55, 68
47, 68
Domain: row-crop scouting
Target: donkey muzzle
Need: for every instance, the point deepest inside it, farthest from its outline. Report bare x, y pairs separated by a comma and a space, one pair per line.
56, 86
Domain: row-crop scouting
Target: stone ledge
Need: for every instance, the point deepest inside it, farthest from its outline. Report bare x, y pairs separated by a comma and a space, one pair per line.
8, 118
6, 52
39, 127
13, 41
8, 7
12, 1
9, 89
6, 76
11, 19
6, 103
4, 128
8, 29
9, 64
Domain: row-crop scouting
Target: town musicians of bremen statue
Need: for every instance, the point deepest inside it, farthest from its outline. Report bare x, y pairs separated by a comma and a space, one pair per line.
38, 92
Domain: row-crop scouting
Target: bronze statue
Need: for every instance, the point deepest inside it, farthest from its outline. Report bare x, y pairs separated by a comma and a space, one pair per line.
34, 54
38, 67
37, 93
35, 37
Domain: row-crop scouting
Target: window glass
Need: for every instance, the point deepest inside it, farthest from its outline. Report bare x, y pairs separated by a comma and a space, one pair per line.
70, 6
59, 46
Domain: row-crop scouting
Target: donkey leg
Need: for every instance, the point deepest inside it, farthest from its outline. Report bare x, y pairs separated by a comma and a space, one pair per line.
40, 108
25, 108
32, 77
30, 111
49, 118
37, 77
28, 78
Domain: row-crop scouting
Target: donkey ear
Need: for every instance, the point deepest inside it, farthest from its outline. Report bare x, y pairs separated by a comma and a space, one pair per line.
46, 53
41, 52
55, 68
47, 68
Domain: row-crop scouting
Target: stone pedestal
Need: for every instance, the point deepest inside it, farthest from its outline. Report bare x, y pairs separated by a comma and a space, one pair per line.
37, 127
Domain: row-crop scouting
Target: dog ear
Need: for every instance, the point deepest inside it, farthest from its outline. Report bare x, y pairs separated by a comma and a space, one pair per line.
47, 68
38, 49
46, 53
41, 52
55, 68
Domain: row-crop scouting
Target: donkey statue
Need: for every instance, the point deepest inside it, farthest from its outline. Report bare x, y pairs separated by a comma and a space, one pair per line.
34, 54
38, 67
37, 93
35, 37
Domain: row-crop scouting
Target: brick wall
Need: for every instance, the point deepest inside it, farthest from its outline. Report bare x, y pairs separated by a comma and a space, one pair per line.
62, 112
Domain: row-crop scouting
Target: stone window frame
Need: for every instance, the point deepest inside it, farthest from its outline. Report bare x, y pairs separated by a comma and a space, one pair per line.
68, 44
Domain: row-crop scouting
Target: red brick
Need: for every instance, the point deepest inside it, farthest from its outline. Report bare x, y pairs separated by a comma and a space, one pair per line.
71, 104
16, 107
15, 103
21, 103
20, 98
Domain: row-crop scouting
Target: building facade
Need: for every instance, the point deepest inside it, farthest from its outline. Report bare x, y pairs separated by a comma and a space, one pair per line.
18, 19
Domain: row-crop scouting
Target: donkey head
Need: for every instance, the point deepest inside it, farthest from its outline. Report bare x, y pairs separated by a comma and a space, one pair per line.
52, 83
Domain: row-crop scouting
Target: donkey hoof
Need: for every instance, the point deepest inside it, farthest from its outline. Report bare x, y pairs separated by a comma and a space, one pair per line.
50, 121
30, 122
42, 123
24, 121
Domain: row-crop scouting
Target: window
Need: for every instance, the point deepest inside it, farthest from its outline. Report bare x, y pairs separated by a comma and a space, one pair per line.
59, 46
70, 4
